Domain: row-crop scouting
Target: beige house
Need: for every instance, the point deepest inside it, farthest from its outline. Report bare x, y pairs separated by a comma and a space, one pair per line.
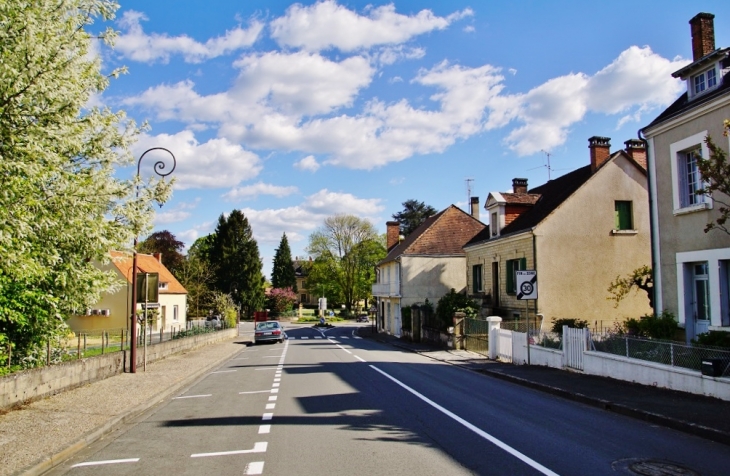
691, 266
579, 232
427, 264
113, 309
301, 267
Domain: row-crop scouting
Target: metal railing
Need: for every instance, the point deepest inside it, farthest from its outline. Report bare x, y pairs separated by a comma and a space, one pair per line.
476, 336
675, 354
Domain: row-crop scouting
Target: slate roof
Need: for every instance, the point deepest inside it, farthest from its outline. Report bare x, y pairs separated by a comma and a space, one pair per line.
147, 264
442, 234
520, 198
683, 104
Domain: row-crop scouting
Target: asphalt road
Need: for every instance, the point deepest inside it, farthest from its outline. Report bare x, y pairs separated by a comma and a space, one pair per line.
329, 403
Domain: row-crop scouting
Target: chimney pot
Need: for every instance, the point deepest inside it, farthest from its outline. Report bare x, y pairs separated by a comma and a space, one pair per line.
475, 207
703, 35
600, 151
636, 149
392, 234
158, 257
519, 185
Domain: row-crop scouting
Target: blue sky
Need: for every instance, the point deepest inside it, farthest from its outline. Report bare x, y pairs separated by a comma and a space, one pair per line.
292, 112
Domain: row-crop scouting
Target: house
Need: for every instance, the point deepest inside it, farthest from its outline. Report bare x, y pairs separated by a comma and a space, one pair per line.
113, 309
427, 264
579, 232
691, 267
301, 267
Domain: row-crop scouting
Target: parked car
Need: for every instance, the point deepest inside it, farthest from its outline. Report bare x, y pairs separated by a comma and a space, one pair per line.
269, 331
214, 321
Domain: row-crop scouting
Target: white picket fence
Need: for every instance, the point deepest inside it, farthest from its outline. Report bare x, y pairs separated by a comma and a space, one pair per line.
575, 343
504, 345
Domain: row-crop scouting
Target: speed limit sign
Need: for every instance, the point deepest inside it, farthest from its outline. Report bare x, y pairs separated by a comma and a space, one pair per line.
526, 284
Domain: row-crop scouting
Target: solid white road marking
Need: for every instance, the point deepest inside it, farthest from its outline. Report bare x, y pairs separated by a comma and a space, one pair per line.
304, 338
267, 416
270, 406
263, 368
223, 371
193, 396
317, 337
360, 359
255, 467
263, 429
525, 459
356, 337
344, 337
255, 391
338, 345
109, 461
237, 358
259, 447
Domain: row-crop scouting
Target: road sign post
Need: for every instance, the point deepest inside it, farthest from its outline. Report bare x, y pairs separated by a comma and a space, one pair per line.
526, 280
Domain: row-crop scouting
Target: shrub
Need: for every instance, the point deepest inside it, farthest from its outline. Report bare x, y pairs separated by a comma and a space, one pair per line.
713, 339
663, 326
455, 302
570, 322
406, 317
281, 300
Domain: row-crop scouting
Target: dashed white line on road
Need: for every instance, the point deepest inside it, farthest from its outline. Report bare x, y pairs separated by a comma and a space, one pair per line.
109, 461
259, 447
255, 467
356, 337
255, 391
317, 337
263, 429
304, 338
267, 416
344, 337
273, 398
360, 359
270, 406
274, 390
338, 345
192, 396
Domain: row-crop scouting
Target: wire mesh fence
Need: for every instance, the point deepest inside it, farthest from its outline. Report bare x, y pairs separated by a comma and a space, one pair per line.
662, 352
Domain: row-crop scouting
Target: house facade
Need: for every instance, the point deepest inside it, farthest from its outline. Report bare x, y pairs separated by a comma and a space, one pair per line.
113, 309
691, 266
579, 232
427, 264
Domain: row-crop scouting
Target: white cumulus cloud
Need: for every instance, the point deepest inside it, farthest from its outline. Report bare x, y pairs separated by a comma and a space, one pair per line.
260, 188
308, 163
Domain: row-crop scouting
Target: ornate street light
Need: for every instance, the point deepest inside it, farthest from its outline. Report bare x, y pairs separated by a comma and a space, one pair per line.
159, 168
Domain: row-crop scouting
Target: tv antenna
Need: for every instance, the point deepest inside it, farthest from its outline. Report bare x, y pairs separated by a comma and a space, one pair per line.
549, 169
468, 191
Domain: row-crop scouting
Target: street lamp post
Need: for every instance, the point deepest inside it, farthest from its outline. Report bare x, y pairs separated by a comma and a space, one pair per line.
159, 168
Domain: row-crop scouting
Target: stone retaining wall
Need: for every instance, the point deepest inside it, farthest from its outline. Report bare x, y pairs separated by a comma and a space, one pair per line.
34, 384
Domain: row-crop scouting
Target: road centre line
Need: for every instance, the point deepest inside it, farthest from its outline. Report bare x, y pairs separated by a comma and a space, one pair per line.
192, 396
338, 345
360, 359
525, 459
274, 390
267, 416
273, 398
109, 461
259, 447
255, 391
264, 429
270, 406
254, 467
275, 385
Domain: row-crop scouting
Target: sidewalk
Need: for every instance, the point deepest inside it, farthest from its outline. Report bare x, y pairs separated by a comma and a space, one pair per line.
698, 415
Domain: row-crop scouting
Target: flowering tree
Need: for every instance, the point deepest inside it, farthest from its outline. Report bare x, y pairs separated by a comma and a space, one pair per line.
281, 300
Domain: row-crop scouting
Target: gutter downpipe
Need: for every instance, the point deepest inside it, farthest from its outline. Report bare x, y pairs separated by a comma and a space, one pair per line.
654, 271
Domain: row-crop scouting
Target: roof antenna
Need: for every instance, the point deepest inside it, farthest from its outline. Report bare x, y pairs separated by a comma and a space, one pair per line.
468, 191
548, 154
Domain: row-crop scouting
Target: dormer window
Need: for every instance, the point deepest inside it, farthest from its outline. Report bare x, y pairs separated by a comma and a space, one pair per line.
162, 285
704, 81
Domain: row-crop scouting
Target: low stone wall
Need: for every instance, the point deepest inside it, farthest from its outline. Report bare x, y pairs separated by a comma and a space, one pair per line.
34, 384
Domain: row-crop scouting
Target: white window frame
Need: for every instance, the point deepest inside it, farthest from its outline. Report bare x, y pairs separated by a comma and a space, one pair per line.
700, 83
175, 312
675, 152
713, 258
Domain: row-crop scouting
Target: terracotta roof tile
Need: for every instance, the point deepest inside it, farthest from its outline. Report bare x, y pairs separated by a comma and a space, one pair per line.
147, 264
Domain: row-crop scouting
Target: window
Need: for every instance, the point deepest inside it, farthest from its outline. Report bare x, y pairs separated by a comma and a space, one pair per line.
624, 218
704, 81
701, 290
174, 312
476, 276
493, 224
689, 177
512, 266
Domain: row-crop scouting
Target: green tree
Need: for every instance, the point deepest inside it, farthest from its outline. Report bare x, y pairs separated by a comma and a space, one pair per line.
235, 255
62, 208
455, 302
197, 275
340, 255
413, 214
368, 253
169, 246
639, 279
282, 273
715, 172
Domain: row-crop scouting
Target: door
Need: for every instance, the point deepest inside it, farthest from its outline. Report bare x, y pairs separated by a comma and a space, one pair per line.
701, 298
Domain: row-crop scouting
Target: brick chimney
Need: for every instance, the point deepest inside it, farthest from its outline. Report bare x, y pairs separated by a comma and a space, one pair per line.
600, 151
703, 35
637, 150
158, 257
475, 207
392, 234
519, 185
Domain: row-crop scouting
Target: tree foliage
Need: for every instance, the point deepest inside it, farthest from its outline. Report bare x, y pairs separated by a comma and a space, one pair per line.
455, 302
343, 255
413, 214
715, 172
281, 300
639, 279
169, 246
282, 273
235, 255
61, 207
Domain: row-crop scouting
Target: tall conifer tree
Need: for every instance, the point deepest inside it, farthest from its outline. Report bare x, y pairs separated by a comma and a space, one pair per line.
235, 255
282, 274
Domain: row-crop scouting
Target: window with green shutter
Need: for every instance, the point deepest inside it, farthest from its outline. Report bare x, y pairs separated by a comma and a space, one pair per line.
624, 220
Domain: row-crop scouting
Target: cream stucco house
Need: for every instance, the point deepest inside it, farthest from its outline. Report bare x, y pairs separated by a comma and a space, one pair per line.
691, 267
113, 309
579, 232
427, 264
